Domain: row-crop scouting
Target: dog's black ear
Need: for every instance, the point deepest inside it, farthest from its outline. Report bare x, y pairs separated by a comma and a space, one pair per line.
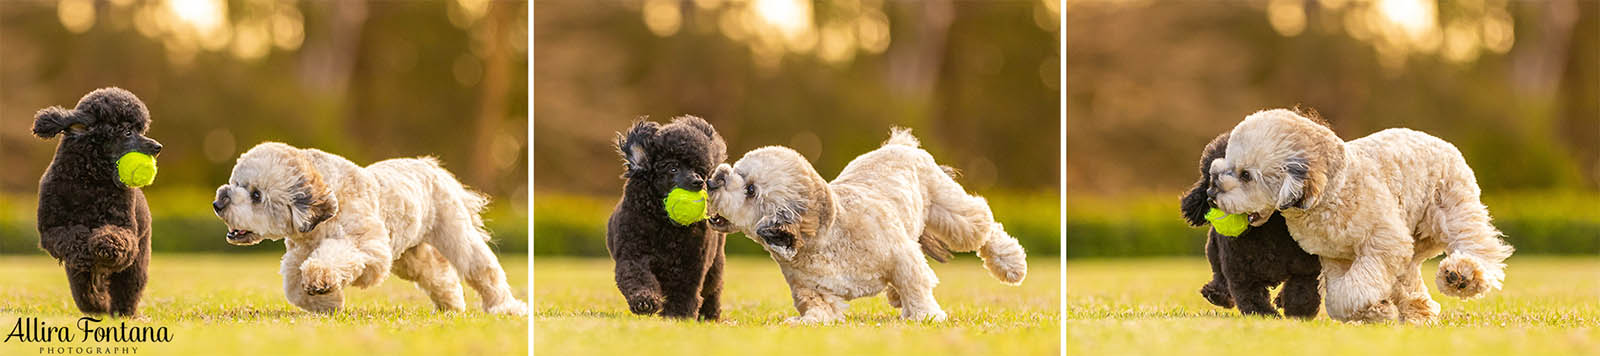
632, 145
1293, 194
1196, 203
49, 122
715, 145
312, 201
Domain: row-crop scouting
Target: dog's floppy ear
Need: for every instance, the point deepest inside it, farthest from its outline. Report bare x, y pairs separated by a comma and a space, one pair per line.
1292, 193
715, 145
312, 199
631, 145
816, 209
49, 122
1306, 175
1197, 202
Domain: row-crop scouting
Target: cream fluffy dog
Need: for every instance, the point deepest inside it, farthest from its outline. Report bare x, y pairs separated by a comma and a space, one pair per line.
864, 233
1373, 209
346, 225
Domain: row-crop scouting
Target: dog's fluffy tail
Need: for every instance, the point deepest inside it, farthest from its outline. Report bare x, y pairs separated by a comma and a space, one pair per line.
902, 136
1004, 257
471, 201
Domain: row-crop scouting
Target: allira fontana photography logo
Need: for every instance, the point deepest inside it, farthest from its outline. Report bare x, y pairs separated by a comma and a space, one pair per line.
86, 331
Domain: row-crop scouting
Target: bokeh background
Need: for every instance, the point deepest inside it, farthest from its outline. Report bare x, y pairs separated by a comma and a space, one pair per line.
366, 80
1514, 84
977, 81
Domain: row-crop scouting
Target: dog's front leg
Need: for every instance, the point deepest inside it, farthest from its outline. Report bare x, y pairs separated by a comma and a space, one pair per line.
333, 264
1362, 293
816, 307
638, 285
1216, 291
294, 285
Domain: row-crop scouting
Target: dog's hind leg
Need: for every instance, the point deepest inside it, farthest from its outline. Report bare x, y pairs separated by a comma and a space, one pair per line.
432, 273
88, 290
463, 243
964, 223
913, 281
1299, 297
1476, 255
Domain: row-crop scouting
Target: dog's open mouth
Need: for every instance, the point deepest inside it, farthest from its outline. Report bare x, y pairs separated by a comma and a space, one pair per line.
1255, 219
719, 223
241, 236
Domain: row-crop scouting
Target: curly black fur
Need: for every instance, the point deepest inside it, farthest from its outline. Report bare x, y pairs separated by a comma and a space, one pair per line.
1244, 267
662, 266
98, 228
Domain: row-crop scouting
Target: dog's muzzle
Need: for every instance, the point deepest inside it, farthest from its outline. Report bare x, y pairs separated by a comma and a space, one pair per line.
717, 180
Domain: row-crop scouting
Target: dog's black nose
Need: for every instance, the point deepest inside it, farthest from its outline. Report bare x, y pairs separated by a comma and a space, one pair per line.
155, 149
221, 202
714, 183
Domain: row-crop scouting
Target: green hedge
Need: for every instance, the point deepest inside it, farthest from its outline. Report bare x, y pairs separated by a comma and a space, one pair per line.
1536, 223
182, 221
574, 225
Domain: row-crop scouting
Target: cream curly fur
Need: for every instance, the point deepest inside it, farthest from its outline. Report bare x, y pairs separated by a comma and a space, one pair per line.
346, 225
1373, 209
859, 235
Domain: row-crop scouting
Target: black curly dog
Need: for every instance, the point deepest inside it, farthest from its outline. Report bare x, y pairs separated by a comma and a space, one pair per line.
1243, 267
98, 228
662, 266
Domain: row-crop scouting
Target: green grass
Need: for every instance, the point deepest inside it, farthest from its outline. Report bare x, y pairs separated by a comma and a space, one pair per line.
578, 311
234, 304
1551, 305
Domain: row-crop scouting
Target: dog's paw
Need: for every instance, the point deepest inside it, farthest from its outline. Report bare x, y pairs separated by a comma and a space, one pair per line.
935, 315
1463, 278
1381, 311
320, 281
510, 307
644, 304
1217, 295
1422, 311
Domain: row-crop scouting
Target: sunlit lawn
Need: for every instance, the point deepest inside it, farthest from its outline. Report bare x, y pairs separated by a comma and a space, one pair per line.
1153, 306
578, 311
234, 304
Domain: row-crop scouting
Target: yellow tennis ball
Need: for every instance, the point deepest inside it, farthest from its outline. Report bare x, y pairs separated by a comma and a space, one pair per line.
685, 207
1227, 225
136, 169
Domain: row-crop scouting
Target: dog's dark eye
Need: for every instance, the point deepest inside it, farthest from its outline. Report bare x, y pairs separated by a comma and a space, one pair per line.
749, 191
674, 170
128, 133
255, 196
1244, 176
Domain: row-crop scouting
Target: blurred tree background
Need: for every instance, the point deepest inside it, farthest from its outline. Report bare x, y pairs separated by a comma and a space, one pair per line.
977, 81
1514, 84
366, 80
